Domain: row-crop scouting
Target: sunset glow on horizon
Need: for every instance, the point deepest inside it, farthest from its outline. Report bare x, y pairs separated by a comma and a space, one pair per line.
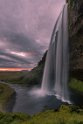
15, 69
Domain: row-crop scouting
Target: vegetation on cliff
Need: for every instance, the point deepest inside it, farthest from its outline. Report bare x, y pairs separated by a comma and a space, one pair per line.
76, 85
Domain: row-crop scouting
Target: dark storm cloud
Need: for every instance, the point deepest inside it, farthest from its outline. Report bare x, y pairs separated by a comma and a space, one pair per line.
21, 42
7, 59
25, 30
13, 45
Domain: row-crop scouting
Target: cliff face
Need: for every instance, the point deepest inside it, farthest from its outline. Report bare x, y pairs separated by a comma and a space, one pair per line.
76, 33
76, 37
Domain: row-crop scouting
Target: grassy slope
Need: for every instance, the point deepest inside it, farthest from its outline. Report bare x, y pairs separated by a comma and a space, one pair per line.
5, 93
76, 85
24, 77
66, 115
9, 76
28, 78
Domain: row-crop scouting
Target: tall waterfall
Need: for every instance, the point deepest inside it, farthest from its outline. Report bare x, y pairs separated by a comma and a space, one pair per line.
55, 77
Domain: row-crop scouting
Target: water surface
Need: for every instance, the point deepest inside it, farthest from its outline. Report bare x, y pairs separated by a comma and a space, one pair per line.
31, 104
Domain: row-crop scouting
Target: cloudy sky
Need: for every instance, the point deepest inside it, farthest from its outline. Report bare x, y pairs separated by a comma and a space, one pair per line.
25, 30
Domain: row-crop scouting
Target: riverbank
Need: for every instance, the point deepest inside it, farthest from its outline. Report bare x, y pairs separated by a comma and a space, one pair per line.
64, 115
6, 93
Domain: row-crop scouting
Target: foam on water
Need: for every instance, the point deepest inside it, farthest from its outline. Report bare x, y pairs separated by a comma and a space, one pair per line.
38, 92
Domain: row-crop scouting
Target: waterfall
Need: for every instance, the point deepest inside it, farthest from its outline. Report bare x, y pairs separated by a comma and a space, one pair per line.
55, 77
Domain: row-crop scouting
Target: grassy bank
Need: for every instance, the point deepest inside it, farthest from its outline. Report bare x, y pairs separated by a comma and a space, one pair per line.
76, 85
65, 115
10, 76
23, 77
5, 94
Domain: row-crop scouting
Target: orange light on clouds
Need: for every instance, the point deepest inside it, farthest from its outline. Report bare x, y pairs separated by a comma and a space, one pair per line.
14, 69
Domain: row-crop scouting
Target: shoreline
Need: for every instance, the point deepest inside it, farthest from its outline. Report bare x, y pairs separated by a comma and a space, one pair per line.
5, 95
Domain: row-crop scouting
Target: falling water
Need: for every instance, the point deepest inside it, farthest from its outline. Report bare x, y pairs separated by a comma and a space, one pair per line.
55, 75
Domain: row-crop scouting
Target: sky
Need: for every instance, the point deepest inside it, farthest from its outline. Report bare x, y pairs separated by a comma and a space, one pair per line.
25, 30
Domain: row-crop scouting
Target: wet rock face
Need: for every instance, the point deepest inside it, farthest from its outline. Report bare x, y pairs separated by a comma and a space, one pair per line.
76, 34
75, 15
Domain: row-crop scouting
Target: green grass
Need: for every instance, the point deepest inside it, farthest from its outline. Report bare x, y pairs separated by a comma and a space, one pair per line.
65, 115
23, 77
13, 118
77, 85
5, 93
9, 75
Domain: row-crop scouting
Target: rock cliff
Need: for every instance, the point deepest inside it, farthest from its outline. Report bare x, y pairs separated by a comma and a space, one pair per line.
76, 37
